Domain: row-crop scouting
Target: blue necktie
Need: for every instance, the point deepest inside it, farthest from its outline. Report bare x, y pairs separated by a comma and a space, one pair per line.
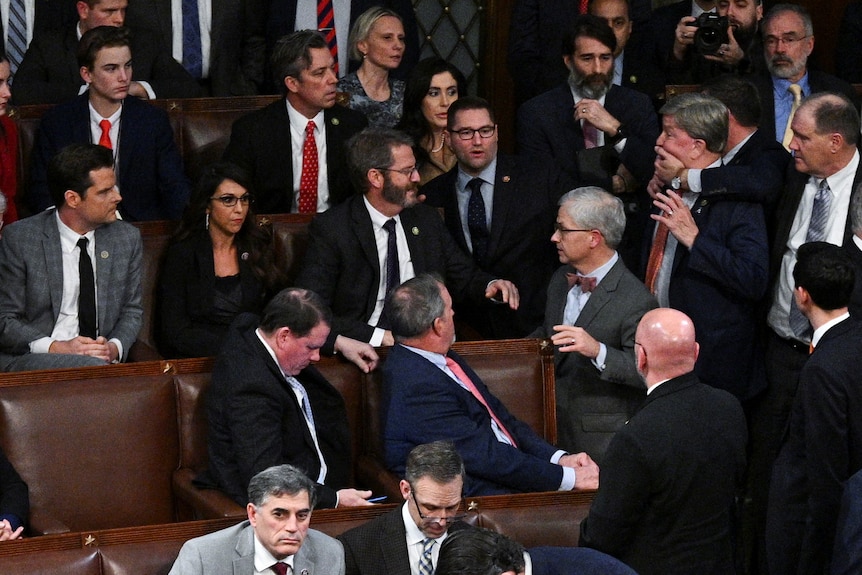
16, 44
192, 58
476, 222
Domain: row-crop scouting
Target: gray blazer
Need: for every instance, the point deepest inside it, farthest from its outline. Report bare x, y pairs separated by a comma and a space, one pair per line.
231, 552
31, 288
592, 405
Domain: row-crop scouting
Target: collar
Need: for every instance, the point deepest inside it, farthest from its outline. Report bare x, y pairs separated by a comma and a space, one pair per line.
821, 331
96, 117
488, 175
299, 121
780, 87
263, 559
270, 351
653, 388
731, 153
414, 534
600, 272
843, 178
69, 237
377, 218
436, 358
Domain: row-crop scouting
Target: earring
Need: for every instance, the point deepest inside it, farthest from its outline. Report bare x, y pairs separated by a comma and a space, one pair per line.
207, 225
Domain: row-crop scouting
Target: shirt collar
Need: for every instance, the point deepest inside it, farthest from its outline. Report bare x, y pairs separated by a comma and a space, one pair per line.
820, 331
780, 86
264, 560
600, 272
69, 237
487, 175
731, 153
377, 218
299, 121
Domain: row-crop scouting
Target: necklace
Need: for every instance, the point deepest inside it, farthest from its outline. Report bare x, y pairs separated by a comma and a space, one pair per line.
438, 148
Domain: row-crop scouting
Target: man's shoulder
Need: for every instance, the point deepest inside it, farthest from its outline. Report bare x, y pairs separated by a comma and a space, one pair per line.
375, 530
555, 97
139, 109
263, 118
633, 100
222, 539
322, 544
60, 113
345, 118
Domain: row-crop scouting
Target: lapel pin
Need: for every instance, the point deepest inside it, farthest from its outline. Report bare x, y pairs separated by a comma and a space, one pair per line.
104, 254
335, 121
633, 79
414, 230
507, 179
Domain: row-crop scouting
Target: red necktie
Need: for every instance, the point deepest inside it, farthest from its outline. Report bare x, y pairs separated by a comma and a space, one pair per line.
656, 255
471, 387
280, 568
307, 203
105, 139
326, 25
582, 7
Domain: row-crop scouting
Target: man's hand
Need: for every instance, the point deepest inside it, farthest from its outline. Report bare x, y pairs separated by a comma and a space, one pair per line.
358, 352
586, 470
667, 166
730, 54
593, 112
353, 497
575, 339
137, 90
505, 291
577, 460
6, 533
677, 217
683, 36
81, 345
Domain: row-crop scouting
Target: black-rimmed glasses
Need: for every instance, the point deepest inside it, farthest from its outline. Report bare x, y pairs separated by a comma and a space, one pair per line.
485, 132
432, 519
230, 201
562, 230
403, 171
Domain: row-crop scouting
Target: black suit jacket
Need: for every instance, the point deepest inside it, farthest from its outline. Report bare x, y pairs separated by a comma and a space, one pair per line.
662, 27
519, 249
669, 481
848, 57
14, 495
378, 547
255, 420
855, 299
342, 264
49, 73
260, 143
822, 449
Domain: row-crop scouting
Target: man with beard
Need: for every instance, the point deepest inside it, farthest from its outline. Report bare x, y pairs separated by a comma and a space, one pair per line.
742, 53
365, 247
788, 39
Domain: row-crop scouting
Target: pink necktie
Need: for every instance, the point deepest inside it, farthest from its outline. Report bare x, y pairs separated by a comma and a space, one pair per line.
471, 387
591, 135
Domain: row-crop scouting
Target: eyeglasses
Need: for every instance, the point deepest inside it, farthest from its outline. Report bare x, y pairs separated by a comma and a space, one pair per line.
467, 133
642, 346
562, 230
230, 201
403, 171
430, 519
789, 41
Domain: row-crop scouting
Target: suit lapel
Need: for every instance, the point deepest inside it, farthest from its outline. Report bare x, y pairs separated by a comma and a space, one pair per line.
505, 200
413, 232
54, 261
104, 261
243, 563
601, 295
395, 560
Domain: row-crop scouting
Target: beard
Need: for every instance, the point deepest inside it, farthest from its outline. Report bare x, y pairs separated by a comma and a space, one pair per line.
783, 67
397, 195
593, 86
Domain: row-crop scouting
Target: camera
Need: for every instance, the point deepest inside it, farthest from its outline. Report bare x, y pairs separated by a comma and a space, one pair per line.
711, 33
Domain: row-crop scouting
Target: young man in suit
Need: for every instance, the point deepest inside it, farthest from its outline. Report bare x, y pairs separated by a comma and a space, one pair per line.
430, 394
146, 160
401, 541
671, 475
275, 538
50, 319
295, 149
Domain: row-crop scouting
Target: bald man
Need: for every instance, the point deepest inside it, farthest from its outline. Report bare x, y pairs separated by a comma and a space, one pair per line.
670, 476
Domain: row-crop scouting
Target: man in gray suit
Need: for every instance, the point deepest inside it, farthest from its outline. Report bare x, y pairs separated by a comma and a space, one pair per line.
275, 536
42, 264
594, 305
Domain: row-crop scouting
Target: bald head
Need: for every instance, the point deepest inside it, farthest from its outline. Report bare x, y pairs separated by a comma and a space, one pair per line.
666, 345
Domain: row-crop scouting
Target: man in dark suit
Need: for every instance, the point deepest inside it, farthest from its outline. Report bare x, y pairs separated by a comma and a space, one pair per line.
709, 259
847, 555
47, 15
594, 305
823, 445
514, 202
854, 250
281, 144
358, 251
231, 43
274, 539
46, 321
848, 56
430, 394
147, 162
670, 477
14, 501
267, 405
395, 543
49, 73
664, 21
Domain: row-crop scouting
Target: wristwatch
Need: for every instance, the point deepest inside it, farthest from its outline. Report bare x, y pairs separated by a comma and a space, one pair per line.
676, 183
618, 136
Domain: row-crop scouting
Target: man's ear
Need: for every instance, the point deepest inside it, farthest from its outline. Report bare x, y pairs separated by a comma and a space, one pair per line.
85, 74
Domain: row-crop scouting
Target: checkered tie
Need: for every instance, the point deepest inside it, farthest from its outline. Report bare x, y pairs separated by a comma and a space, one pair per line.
426, 567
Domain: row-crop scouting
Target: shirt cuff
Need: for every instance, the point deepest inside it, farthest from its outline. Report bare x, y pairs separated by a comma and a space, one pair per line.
151, 94
621, 145
41, 345
694, 180
599, 361
568, 482
119, 345
555, 458
377, 337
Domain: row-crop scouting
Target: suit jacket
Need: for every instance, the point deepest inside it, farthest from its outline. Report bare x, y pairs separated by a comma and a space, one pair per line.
662, 27
847, 555
856, 298
260, 143
848, 59
31, 266
547, 129
575, 561
641, 71
149, 168
14, 495
231, 552
669, 481
49, 73
236, 41
523, 211
188, 326
255, 420
342, 266
422, 404
822, 449
593, 405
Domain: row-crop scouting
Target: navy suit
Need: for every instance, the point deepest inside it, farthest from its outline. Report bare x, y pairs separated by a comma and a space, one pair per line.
847, 554
149, 168
422, 404
260, 143
575, 561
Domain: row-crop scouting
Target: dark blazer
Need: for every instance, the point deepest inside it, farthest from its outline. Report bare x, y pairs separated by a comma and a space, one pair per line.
519, 249
256, 422
848, 57
592, 405
14, 495
49, 73
149, 168
31, 266
641, 71
847, 554
547, 129
856, 298
188, 326
341, 263
662, 28
822, 449
260, 143
669, 481
575, 561
422, 404
236, 41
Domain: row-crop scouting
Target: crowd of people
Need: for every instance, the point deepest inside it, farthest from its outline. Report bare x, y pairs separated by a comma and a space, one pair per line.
694, 263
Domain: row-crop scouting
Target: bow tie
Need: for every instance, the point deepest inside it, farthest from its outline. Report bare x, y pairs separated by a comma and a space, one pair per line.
587, 284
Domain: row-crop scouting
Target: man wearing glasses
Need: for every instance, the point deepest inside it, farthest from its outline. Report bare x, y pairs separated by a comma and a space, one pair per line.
365, 247
407, 540
499, 209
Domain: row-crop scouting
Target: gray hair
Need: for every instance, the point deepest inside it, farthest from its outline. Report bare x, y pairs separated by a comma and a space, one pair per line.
595, 209
280, 480
700, 116
413, 306
800, 11
834, 113
438, 460
372, 148
363, 25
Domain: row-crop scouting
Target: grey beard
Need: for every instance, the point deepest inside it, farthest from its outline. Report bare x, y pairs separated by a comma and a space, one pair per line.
581, 86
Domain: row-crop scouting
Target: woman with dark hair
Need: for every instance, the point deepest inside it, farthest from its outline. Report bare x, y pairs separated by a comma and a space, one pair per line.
8, 146
219, 265
431, 87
